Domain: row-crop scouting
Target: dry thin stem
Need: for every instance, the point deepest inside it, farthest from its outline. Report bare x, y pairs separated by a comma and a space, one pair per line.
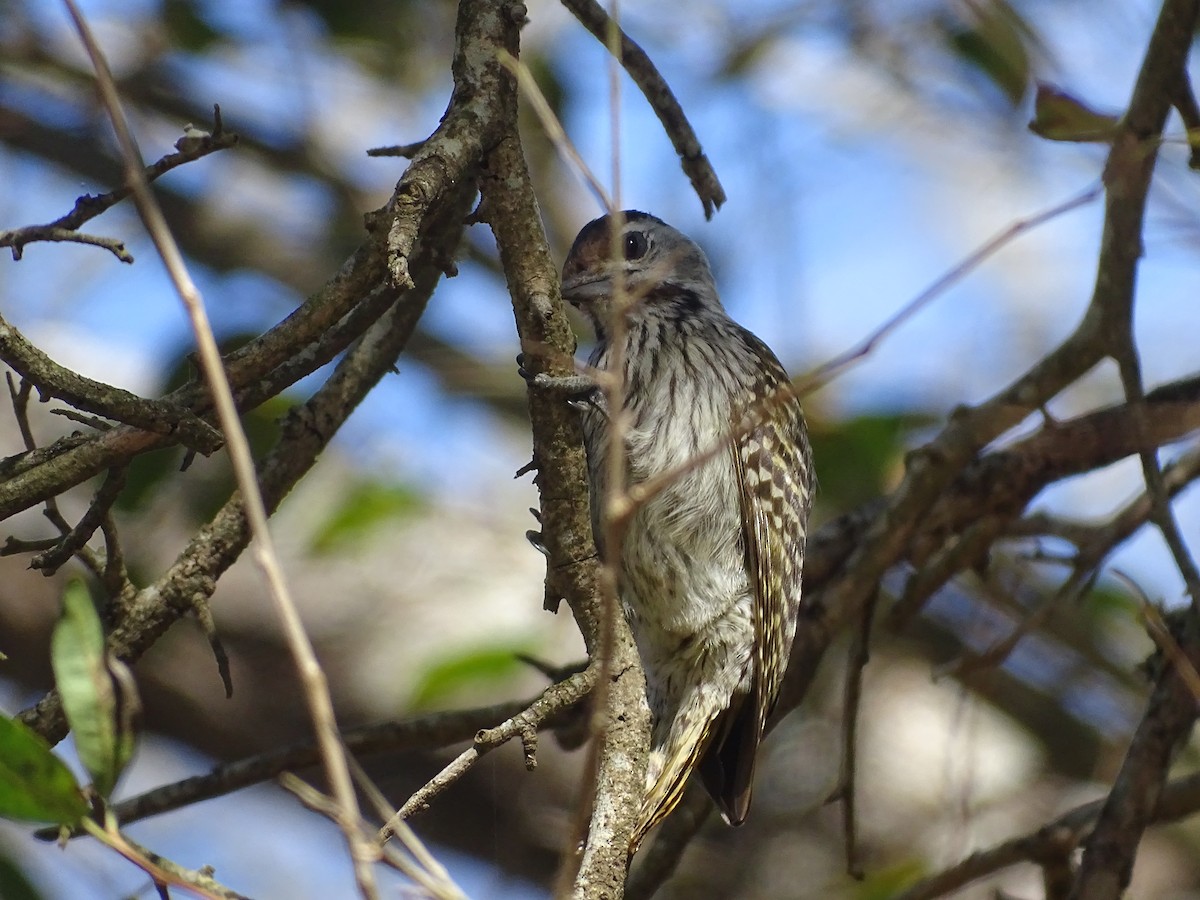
844, 793
1069, 592
420, 865
74, 541
315, 685
89, 206
658, 94
553, 700
435, 730
827, 371
554, 129
1179, 799
163, 871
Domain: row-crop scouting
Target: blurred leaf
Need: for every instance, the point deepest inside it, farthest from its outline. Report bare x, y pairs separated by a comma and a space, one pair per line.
857, 457
547, 81
98, 713
882, 884
147, 471
212, 480
743, 55
187, 28
1111, 602
35, 785
364, 507
205, 495
1057, 116
13, 883
994, 43
477, 666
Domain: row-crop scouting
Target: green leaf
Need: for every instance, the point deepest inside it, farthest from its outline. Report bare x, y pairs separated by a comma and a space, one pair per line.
861, 457
98, 713
187, 29
994, 44
365, 506
1057, 116
13, 883
35, 785
474, 667
881, 884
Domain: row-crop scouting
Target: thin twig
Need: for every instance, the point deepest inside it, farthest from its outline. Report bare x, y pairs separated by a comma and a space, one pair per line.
554, 129
844, 793
553, 700
89, 206
316, 688
658, 94
73, 541
1070, 591
406, 151
423, 732
1179, 799
53, 380
29, 234
419, 865
163, 871
827, 371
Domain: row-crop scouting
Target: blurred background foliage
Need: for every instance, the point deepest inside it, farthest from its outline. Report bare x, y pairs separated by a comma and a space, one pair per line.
867, 146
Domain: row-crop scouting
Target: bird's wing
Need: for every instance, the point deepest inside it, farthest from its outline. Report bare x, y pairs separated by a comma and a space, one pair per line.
775, 489
682, 756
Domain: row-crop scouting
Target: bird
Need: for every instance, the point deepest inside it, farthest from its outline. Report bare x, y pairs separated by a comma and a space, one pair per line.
710, 565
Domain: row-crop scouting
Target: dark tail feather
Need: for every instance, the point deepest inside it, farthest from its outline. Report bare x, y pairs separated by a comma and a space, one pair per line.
727, 768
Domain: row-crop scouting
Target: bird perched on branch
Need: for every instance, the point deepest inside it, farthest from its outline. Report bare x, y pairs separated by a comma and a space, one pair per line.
709, 562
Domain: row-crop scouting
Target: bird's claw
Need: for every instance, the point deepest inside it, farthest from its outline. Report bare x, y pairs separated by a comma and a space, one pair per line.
535, 540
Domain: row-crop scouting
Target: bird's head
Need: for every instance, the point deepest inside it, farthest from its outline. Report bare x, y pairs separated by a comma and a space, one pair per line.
649, 258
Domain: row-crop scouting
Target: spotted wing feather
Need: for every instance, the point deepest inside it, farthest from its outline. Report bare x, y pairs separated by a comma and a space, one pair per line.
774, 475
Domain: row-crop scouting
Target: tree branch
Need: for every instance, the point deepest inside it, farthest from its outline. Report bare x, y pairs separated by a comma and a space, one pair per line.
52, 380
658, 94
1179, 799
573, 569
999, 484
192, 146
305, 433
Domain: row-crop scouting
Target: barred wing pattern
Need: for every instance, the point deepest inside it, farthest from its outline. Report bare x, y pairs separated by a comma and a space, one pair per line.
774, 470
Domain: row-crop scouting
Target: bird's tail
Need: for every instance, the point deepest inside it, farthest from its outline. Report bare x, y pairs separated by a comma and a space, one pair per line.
673, 757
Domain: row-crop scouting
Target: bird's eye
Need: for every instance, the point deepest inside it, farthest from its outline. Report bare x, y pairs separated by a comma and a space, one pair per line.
635, 245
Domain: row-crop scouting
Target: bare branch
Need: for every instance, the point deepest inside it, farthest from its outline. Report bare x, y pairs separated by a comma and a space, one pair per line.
50, 560
844, 793
554, 700
191, 147
313, 679
658, 94
1108, 857
826, 372
1179, 799
52, 380
49, 234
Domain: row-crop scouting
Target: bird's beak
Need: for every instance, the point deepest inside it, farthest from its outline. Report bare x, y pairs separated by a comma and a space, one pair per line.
585, 287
